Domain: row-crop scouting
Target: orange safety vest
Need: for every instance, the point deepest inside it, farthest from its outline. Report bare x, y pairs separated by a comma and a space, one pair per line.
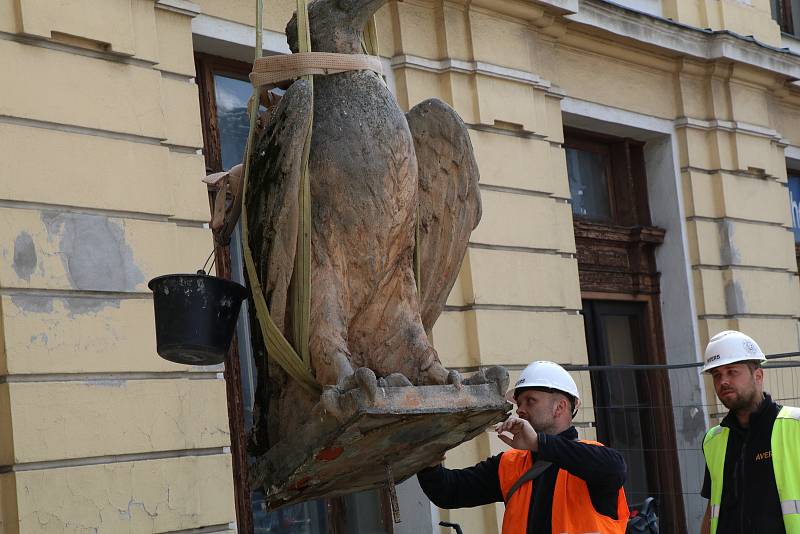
572, 513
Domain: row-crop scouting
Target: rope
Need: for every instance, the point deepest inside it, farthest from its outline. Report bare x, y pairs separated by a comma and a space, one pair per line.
270, 70
278, 348
369, 42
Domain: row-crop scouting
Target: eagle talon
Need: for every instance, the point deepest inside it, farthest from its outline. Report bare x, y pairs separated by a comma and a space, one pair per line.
364, 379
477, 378
329, 404
396, 380
454, 378
498, 375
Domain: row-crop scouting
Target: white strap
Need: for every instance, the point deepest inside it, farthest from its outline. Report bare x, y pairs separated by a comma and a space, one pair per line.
714, 510
269, 70
790, 507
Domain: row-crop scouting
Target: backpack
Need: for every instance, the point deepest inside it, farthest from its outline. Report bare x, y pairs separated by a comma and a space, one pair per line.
643, 518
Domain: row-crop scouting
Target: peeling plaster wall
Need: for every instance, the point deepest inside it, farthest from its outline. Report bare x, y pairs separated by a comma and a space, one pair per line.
99, 192
94, 251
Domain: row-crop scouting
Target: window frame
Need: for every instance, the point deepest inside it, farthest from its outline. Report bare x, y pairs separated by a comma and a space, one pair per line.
587, 144
337, 509
616, 263
783, 13
625, 170
792, 172
206, 67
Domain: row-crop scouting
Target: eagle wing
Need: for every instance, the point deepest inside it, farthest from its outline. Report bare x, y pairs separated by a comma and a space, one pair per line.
272, 197
449, 200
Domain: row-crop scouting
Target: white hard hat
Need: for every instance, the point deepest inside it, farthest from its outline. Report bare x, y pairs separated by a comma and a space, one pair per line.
545, 375
731, 346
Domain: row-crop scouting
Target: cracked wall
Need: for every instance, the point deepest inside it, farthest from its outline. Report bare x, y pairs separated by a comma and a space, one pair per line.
99, 192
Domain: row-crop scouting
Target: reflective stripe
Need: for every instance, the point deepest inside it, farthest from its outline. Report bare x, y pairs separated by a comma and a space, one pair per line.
714, 446
790, 507
789, 411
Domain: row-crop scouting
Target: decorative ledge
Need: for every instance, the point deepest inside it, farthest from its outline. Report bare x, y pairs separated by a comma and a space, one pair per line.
684, 39
184, 7
729, 126
473, 67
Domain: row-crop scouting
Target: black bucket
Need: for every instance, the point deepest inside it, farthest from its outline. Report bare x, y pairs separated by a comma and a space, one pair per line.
195, 316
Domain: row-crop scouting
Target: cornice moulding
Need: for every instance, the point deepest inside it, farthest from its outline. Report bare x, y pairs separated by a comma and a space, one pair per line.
530, 10
729, 126
473, 67
184, 7
239, 34
686, 40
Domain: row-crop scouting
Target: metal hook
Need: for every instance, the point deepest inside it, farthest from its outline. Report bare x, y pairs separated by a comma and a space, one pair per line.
203, 270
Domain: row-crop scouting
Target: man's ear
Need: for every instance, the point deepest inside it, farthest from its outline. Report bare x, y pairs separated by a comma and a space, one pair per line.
759, 375
562, 405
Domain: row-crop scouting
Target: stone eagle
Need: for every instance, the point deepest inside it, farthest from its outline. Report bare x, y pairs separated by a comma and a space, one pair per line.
376, 175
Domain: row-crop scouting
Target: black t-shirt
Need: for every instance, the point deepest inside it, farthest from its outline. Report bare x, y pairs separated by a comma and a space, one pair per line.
602, 468
750, 502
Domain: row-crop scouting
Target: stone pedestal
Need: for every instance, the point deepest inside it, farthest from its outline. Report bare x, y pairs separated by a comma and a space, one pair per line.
393, 435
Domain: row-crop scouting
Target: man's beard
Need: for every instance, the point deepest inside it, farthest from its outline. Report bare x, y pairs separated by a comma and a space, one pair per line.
740, 401
542, 426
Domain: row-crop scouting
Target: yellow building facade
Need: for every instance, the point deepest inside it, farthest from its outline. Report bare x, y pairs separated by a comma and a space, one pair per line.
102, 148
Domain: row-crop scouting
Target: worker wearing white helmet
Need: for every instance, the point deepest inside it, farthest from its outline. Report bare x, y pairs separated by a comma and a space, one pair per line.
549, 481
547, 376
752, 458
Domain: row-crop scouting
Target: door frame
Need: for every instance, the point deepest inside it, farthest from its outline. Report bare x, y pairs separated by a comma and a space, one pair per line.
660, 449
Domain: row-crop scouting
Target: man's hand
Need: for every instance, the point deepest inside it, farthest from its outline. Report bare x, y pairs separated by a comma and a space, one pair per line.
522, 434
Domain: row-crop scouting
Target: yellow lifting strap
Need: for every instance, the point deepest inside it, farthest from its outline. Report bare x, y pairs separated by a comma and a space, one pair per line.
297, 366
370, 41
278, 348
301, 289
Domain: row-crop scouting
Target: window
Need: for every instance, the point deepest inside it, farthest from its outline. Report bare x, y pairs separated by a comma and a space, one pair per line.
794, 206
606, 178
230, 97
588, 168
620, 288
224, 93
787, 14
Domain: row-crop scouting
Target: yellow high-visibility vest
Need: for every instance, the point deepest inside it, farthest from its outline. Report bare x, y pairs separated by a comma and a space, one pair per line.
785, 443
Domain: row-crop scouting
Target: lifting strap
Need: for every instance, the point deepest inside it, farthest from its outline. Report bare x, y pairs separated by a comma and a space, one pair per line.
270, 70
278, 348
301, 289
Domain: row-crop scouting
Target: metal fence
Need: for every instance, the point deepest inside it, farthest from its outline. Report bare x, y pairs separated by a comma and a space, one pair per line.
656, 416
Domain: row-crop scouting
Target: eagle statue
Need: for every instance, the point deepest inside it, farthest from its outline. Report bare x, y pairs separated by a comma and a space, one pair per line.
379, 180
